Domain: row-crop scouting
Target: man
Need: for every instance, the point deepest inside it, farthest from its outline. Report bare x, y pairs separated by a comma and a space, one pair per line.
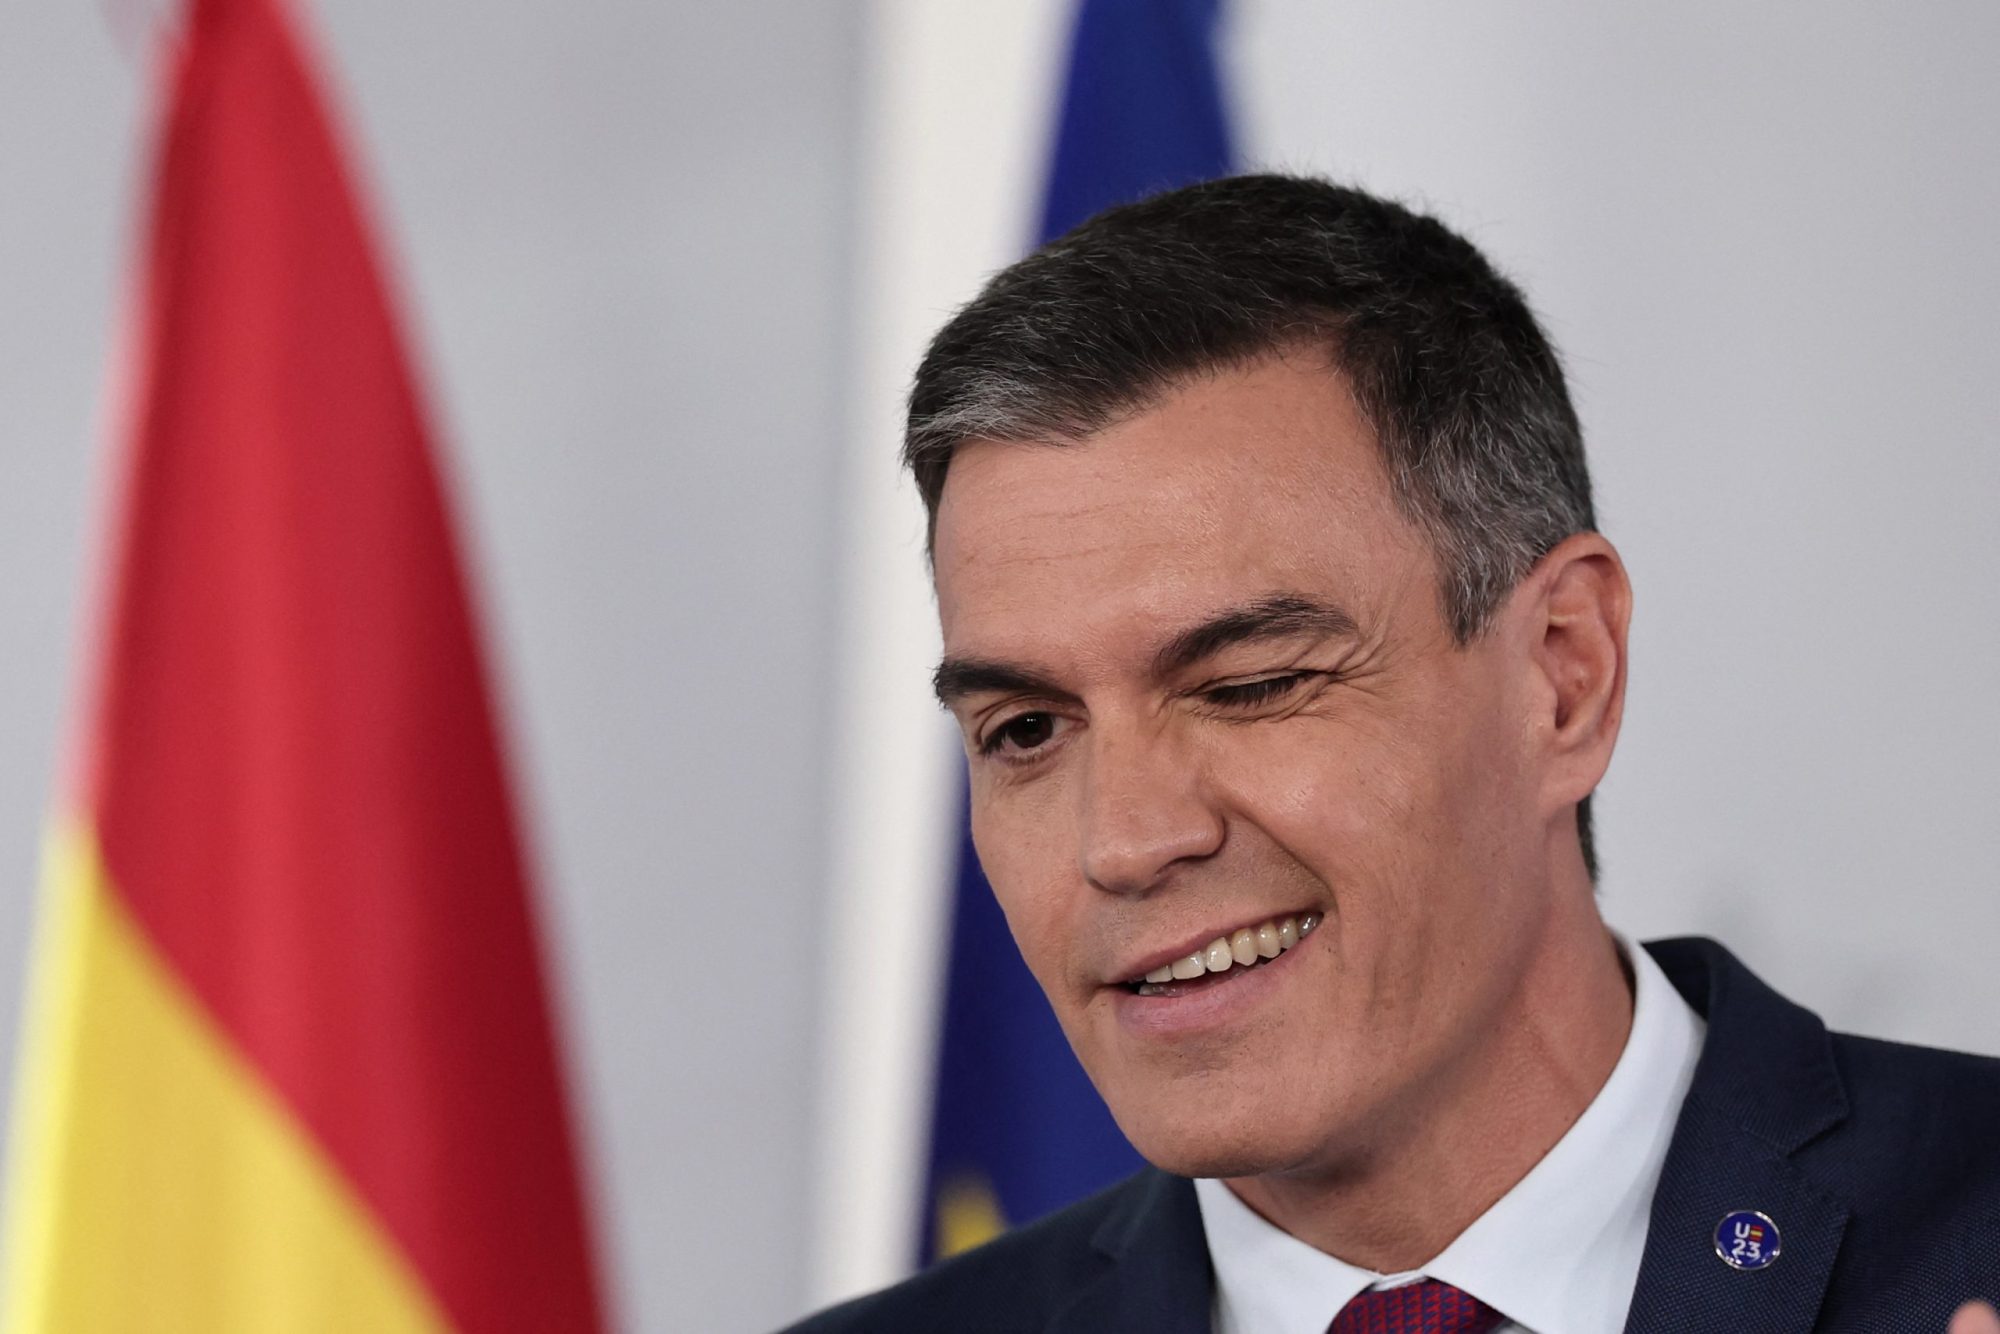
1287, 657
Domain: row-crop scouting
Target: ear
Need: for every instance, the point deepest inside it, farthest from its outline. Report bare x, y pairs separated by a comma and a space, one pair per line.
1579, 605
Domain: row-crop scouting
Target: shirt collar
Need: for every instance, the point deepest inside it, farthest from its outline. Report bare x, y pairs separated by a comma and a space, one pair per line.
1265, 1278
1557, 1254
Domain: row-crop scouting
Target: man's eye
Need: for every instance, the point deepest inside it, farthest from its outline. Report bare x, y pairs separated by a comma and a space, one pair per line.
1249, 694
1023, 732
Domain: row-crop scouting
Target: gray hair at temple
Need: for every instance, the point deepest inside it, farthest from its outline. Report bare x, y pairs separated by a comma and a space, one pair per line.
1464, 390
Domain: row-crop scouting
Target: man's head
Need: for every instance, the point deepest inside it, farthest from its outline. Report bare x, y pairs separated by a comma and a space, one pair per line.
1261, 530
1464, 391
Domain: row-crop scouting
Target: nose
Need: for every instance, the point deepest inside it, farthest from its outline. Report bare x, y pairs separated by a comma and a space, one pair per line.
1144, 812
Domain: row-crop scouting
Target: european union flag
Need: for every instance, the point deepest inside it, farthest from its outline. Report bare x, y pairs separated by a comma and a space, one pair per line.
1017, 1130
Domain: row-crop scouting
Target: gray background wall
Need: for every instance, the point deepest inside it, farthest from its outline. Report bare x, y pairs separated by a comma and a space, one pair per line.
1762, 234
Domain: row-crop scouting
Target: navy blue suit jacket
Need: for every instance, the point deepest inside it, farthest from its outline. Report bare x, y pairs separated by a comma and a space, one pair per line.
1879, 1164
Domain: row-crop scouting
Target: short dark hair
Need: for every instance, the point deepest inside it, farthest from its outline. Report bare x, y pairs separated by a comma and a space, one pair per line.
1463, 388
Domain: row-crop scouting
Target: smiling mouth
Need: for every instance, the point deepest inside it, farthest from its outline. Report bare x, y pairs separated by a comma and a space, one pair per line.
1225, 957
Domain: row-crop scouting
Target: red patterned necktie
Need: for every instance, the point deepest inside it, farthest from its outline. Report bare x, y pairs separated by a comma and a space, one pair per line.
1424, 1307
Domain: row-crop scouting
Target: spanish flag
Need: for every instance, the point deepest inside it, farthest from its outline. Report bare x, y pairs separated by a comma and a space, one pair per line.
289, 1062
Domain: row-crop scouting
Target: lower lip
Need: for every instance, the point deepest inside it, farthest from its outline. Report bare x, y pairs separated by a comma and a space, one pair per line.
1210, 1007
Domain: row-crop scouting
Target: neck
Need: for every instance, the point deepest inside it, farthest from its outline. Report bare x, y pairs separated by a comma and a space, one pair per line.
1393, 1206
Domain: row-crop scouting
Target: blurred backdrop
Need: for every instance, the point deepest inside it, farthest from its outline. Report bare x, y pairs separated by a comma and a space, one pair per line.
665, 268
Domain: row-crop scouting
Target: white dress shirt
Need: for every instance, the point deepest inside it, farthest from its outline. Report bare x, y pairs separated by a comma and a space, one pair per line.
1557, 1254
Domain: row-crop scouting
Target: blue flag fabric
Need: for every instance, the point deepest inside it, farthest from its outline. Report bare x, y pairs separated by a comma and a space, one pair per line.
1016, 1129
1142, 108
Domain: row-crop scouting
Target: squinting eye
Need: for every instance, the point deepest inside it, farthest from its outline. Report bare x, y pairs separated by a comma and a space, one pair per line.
1026, 731
1252, 693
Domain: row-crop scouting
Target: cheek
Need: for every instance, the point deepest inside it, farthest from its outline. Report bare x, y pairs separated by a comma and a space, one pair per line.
1030, 863
1342, 797
1394, 813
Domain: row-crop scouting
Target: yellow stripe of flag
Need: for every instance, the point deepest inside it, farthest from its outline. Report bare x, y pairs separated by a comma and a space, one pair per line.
155, 1183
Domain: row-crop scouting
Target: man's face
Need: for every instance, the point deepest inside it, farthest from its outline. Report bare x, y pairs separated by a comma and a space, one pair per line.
1206, 684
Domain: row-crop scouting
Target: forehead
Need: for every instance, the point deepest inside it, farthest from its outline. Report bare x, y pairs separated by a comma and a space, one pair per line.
1248, 481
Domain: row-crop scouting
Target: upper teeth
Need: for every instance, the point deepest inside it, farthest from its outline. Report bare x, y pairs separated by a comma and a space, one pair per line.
1266, 940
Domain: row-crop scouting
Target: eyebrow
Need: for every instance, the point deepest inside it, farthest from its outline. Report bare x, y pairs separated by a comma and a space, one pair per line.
1278, 616
955, 678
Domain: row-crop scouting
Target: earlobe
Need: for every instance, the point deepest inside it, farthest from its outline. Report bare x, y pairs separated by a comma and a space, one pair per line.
1584, 607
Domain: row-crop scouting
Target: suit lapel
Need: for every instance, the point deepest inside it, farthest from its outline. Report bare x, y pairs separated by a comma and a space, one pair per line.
1712, 1171
1765, 1087
1158, 1277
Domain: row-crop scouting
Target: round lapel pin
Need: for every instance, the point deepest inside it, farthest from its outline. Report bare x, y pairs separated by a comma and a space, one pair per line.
1746, 1239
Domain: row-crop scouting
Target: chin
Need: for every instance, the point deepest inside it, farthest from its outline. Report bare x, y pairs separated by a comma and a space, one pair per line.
1234, 1141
